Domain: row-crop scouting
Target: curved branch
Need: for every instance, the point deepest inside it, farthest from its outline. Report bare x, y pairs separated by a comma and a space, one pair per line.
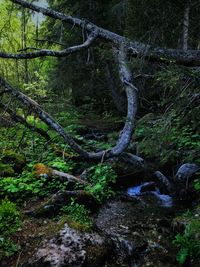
137, 49
125, 137
52, 53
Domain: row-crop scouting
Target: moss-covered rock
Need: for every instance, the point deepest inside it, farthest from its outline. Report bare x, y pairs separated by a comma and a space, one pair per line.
16, 160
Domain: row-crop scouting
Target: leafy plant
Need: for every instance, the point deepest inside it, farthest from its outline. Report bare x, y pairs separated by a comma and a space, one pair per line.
61, 165
10, 222
197, 184
188, 243
27, 185
21, 187
77, 215
165, 138
101, 177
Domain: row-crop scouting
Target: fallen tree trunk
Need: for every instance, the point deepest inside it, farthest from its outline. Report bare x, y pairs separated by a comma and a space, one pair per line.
136, 49
125, 135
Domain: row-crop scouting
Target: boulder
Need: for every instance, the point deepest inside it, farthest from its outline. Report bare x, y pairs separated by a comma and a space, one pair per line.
186, 171
71, 248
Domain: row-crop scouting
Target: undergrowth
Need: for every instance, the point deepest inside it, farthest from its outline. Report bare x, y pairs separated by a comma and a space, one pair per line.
188, 243
77, 216
101, 177
10, 222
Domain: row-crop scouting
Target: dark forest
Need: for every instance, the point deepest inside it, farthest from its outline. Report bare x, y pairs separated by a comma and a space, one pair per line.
99, 133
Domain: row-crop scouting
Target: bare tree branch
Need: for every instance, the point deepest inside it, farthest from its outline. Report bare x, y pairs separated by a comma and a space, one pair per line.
52, 53
137, 49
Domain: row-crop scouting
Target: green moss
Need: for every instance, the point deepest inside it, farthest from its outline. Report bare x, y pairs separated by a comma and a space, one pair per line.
17, 160
6, 170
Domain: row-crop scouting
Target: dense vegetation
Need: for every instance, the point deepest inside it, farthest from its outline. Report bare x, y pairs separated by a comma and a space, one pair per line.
84, 95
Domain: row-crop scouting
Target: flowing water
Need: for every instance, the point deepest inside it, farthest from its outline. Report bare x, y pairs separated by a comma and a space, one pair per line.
162, 199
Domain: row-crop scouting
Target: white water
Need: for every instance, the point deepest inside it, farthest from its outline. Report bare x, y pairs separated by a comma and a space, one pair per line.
163, 200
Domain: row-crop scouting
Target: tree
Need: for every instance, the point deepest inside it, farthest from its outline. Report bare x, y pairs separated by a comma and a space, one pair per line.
122, 48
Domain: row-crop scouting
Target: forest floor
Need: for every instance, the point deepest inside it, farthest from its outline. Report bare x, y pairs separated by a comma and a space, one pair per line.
141, 230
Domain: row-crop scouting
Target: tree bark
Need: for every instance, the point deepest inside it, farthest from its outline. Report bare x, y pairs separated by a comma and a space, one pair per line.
118, 99
186, 28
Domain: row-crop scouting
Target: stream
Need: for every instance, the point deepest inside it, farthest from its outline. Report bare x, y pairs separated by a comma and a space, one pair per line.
139, 224
160, 199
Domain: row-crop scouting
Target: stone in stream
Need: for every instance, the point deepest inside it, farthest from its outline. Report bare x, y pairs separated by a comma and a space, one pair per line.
186, 171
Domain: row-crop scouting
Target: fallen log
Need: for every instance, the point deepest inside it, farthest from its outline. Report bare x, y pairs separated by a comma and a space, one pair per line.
42, 170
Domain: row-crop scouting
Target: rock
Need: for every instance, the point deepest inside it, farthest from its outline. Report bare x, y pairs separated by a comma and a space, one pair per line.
163, 183
186, 171
129, 168
72, 249
136, 235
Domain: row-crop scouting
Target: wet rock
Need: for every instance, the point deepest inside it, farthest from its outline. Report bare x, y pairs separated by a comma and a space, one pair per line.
130, 168
186, 171
163, 183
72, 249
139, 237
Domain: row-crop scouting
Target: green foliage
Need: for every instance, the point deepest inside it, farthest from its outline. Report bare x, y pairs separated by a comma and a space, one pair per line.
36, 122
188, 242
37, 88
61, 165
6, 170
101, 177
10, 222
167, 139
197, 184
188, 245
77, 215
27, 185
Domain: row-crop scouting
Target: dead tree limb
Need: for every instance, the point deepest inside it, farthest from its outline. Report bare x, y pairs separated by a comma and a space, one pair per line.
52, 53
136, 49
125, 136
41, 169
17, 118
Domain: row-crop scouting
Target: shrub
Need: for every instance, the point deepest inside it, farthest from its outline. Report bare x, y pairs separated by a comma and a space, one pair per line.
188, 243
9, 223
101, 177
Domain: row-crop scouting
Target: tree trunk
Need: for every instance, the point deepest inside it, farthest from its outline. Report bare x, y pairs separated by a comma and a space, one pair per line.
185, 28
118, 99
